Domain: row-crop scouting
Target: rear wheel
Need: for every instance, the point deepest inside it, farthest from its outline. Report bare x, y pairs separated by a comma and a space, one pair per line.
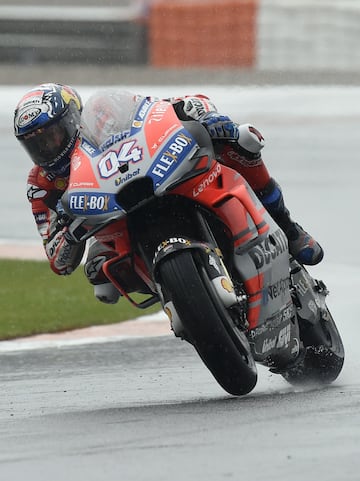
221, 344
324, 354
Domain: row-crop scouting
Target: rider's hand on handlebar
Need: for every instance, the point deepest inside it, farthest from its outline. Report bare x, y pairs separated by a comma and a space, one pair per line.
219, 127
63, 219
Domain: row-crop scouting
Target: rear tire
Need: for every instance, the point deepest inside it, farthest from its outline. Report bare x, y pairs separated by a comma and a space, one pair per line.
324, 355
222, 346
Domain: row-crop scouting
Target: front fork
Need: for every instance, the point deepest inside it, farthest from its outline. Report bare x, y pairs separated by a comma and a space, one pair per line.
210, 257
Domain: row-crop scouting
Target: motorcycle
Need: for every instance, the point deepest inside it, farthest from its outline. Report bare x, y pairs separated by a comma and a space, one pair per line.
190, 233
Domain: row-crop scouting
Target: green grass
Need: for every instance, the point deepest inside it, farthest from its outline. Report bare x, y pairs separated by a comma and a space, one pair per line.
34, 300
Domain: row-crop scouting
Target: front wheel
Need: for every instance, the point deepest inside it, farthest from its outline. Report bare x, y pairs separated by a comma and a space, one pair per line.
222, 346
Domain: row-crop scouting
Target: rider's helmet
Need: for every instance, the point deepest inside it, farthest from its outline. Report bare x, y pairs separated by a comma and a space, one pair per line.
47, 123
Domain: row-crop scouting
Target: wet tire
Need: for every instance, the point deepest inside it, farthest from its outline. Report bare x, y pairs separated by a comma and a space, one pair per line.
222, 346
324, 354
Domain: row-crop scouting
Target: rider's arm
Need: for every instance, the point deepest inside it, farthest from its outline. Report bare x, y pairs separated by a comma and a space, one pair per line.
43, 193
220, 127
242, 152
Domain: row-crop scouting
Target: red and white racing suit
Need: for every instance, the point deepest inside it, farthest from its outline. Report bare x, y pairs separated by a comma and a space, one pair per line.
45, 190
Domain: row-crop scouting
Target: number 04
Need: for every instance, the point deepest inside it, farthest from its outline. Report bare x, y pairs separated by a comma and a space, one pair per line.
109, 164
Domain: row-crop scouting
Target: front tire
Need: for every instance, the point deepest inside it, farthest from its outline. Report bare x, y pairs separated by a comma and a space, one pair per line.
222, 346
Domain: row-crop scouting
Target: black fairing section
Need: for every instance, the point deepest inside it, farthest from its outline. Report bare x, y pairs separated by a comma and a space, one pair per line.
173, 216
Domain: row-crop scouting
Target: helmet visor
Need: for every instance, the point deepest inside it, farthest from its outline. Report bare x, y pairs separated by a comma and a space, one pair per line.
48, 145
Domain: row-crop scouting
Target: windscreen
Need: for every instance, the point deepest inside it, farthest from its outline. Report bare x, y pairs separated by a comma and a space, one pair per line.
107, 115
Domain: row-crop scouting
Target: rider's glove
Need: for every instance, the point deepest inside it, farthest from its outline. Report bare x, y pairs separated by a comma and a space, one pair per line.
64, 256
219, 127
63, 219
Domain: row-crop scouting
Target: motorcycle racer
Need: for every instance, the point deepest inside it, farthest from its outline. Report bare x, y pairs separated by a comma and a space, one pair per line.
50, 119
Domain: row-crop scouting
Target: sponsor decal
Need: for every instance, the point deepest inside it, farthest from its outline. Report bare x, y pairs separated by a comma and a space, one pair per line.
279, 288
287, 313
280, 317
178, 146
140, 116
65, 152
270, 248
268, 344
34, 192
258, 331
82, 174
90, 149
169, 243
284, 337
214, 264
114, 138
128, 176
34, 97
28, 116
168, 313
40, 217
61, 183
143, 110
226, 284
273, 322
207, 181
230, 154
75, 162
157, 112
280, 341
302, 287
162, 137
88, 185
91, 203
53, 245
195, 107
48, 175
64, 255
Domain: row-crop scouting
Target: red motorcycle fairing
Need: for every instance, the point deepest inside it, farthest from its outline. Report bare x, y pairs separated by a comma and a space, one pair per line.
258, 247
254, 233
261, 257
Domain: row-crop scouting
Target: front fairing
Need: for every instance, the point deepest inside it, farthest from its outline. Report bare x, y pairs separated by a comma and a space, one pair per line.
156, 147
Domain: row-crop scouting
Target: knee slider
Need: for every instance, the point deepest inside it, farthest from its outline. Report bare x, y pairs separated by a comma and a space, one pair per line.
106, 293
93, 268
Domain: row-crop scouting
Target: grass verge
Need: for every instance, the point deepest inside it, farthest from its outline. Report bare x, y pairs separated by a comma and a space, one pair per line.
34, 300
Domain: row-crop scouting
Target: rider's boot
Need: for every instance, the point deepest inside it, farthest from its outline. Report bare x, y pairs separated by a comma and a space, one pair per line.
302, 246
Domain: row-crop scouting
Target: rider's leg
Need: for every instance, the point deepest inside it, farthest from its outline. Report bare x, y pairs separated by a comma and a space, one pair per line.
302, 245
104, 291
247, 161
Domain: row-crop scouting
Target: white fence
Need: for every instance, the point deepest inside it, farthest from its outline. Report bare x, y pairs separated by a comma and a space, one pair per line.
308, 35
